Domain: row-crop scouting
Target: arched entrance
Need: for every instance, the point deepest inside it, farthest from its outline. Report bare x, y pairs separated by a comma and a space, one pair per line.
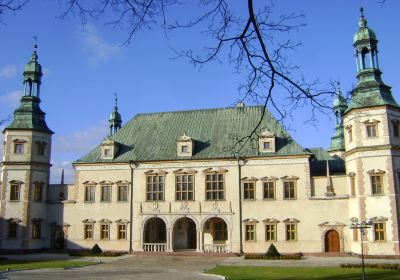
332, 241
184, 235
215, 236
155, 235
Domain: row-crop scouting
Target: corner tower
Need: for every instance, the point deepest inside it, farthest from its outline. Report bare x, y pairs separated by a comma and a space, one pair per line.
26, 169
372, 154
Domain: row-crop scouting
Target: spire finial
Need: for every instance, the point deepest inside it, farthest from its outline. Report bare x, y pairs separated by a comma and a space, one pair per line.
362, 22
34, 54
115, 101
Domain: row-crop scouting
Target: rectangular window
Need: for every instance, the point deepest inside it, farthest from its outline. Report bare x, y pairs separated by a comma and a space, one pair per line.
270, 232
184, 187
122, 193
355, 234
14, 192
184, 149
379, 232
12, 230
266, 145
291, 231
396, 128
269, 190
37, 196
220, 231
376, 183
105, 232
90, 193
250, 232
289, 188
36, 230
107, 152
249, 190
155, 187
106, 193
88, 231
121, 234
372, 130
215, 186
18, 148
353, 186
40, 148
350, 134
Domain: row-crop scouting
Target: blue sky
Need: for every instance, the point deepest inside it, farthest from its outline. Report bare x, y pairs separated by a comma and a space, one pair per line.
85, 66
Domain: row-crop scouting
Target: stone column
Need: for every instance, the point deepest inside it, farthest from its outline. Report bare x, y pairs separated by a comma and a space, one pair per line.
169, 240
199, 241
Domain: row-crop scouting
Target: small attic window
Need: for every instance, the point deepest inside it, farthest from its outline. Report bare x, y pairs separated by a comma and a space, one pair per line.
267, 142
185, 146
109, 149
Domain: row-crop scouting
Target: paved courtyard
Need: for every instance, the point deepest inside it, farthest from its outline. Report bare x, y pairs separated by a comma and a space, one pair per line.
164, 267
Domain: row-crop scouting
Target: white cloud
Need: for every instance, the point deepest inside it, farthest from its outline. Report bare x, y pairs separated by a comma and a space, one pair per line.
8, 71
81, 141
96, 47
11, 99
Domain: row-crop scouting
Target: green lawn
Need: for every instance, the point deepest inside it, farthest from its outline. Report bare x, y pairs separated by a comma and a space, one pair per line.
14, 264
301, 273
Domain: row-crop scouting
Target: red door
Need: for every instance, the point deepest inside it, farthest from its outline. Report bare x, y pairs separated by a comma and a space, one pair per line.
332, 241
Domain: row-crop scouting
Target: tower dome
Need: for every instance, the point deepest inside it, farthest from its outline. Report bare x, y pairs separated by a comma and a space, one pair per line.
364, 32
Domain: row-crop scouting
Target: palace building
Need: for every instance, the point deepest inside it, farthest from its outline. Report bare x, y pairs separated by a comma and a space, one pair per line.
171, 181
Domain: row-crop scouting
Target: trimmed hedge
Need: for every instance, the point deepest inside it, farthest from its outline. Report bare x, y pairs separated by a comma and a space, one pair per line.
91, 254
264, 257
391, 266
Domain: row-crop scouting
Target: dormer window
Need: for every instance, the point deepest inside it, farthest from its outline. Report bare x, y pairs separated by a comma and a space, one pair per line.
267, 142
185, 146
109, 149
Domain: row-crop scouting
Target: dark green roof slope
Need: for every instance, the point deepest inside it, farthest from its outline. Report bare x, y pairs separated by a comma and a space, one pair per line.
153, 136
318, 162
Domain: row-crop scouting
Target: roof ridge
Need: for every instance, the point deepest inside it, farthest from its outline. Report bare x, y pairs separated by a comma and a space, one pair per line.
196, 110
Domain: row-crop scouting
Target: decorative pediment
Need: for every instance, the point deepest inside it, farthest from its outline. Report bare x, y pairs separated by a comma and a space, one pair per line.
106, 182
185, 138
16, 182
271, 221
373, 121
376, 172
270, 178
379, 219
185, 171
105, 221
19, 141
122, 182
38, 183
88, 221
14, 220
250, 221
333, 224
292, 177
351, 174
37, 220
249, 179
348, 127
89, 183
215, 170
291, 220
266, 134
122, 221
156, 172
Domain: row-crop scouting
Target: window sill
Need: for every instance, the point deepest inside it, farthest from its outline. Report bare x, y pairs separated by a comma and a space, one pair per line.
122, 201
269, 199
89, 202
249, 199
105, 201
251, 241
14, 200
290, 198
378, 195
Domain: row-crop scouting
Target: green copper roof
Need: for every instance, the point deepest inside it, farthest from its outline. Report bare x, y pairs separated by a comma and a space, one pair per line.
337, 140
152, 137
29, 116
33, 70
371, 91
318, 162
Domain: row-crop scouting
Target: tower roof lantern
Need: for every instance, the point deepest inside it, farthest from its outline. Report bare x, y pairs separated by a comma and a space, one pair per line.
33, 70
364, 32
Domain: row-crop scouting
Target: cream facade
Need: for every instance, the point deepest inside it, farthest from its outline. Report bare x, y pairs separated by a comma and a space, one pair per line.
171, 181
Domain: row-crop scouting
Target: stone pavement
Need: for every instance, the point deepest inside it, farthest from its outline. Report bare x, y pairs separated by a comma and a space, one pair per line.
143, 267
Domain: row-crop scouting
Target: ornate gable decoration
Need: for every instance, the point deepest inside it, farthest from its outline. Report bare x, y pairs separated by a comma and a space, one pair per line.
266, 142
184, 146
109, 148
